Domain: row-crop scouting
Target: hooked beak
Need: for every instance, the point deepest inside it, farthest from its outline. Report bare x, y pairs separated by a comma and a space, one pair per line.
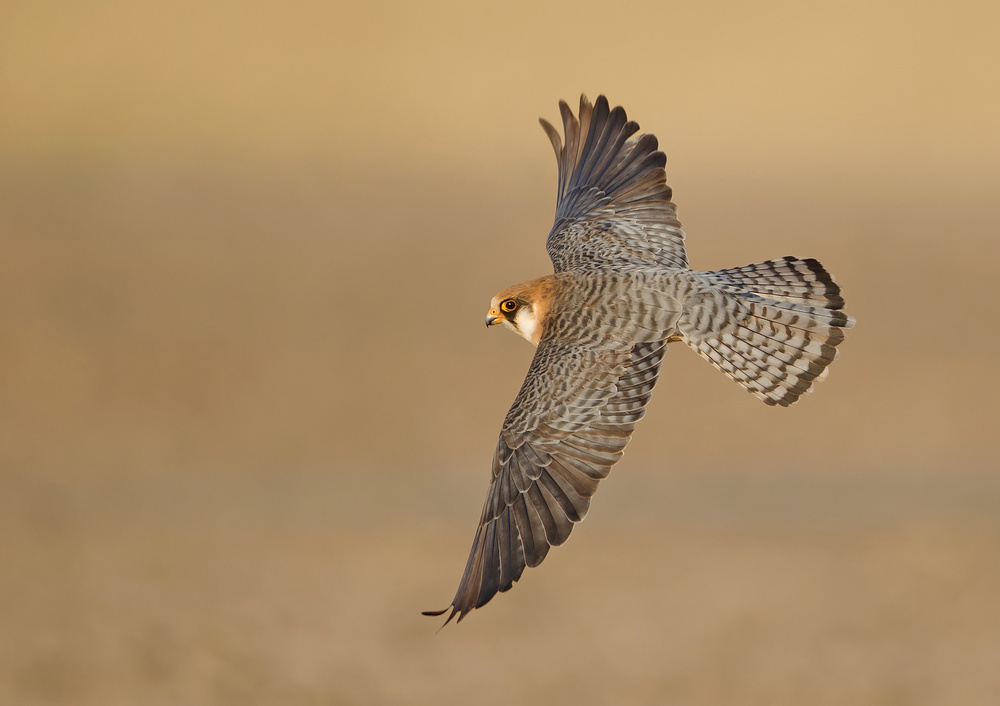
492, 318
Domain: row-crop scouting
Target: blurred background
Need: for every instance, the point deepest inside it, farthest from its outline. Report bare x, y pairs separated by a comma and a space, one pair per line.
248, 404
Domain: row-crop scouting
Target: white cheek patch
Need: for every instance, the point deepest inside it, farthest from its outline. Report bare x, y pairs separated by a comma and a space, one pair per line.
527, 325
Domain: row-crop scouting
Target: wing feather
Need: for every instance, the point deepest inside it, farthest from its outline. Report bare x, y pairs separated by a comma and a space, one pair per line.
613, 204
546, 469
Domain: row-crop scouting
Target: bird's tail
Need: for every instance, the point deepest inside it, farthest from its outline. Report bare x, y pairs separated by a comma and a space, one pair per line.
783, 327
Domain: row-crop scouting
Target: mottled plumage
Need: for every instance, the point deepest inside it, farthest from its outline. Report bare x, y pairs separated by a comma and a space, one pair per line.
620, 291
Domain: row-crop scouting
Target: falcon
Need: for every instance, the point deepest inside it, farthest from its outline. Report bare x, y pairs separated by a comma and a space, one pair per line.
622, 290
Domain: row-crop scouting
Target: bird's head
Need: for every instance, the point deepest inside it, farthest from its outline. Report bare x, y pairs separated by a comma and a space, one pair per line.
522, 309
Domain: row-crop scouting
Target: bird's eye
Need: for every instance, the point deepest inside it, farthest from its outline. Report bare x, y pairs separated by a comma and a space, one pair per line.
509, 305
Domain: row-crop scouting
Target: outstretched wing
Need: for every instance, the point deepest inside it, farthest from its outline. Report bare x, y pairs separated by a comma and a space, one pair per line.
613, 204
568, 426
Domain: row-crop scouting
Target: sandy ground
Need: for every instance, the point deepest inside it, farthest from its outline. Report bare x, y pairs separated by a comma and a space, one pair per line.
690, 588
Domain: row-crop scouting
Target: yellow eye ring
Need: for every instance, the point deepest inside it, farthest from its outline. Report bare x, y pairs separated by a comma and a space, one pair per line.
509, 305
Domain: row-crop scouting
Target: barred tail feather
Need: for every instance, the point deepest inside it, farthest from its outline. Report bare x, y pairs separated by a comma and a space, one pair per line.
785, 328
788, 279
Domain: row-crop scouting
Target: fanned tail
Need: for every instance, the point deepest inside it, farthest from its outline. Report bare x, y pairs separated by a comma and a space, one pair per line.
784, 328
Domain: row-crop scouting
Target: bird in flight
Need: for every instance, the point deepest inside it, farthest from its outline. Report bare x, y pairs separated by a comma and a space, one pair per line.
620, 292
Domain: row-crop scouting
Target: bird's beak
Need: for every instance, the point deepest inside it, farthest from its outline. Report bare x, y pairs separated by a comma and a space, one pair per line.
492, 318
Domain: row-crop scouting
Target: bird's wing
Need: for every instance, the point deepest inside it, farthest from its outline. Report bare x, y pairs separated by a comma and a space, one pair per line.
567, 427
613, 204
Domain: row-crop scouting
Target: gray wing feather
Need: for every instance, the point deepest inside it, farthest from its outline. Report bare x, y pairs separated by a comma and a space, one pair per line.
568, 426
613, 204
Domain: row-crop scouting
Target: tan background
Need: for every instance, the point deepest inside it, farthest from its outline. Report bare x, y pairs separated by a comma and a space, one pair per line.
247, 402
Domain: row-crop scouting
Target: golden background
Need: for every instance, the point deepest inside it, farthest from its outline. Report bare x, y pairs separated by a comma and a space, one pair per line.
248, 404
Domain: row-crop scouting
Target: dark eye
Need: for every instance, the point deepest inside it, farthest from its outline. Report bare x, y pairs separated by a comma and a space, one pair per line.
509, 305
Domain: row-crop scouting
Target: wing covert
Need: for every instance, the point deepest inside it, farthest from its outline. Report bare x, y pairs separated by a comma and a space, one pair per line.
613, 204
